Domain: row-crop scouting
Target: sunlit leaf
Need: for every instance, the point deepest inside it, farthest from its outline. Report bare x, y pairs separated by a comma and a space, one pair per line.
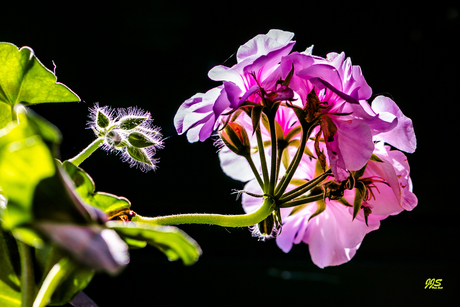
25, 80
84, 184
109, 203
8, 296
173, 242
43, 204
5, 114
25, 160
72, 285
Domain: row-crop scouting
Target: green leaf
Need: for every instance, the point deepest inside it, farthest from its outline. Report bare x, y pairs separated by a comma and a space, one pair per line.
65, 280
84, 184
23, 79
74, 283
10, 292
25, 160
8, 296
109, 203
5, 114
173, 242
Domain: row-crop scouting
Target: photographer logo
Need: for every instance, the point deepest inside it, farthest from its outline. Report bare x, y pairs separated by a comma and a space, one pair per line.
432, 283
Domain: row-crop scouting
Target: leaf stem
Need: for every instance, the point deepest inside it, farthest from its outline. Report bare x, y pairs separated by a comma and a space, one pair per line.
243, 220
78, 159
27, 274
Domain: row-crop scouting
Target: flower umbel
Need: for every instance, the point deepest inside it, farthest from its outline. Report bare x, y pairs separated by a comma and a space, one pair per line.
128, 132
299, 129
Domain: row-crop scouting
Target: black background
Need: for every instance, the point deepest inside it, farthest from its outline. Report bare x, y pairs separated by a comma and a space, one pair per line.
156, 55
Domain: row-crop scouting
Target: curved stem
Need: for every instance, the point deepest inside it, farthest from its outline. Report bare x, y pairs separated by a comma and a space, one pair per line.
27, 274
78, 159
243, 220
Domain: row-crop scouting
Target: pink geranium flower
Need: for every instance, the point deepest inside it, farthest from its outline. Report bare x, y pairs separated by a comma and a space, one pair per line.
333, 236
200, 115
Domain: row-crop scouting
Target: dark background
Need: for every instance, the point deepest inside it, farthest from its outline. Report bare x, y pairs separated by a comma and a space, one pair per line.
156, 55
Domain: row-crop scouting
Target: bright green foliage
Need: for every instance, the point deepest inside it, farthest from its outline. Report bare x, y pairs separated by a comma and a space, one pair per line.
77, 277
86, 188
23, 79
109, 203
10, 292
25, 160
53, 206
173, 242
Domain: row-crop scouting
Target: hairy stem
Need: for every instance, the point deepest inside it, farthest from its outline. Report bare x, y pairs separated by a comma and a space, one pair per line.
78, 159
243, 220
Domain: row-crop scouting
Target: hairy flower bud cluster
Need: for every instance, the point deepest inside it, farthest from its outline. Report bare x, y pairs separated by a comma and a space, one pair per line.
129, 132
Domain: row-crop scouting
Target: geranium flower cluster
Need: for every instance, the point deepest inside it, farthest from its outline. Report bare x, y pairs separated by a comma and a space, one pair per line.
299, 129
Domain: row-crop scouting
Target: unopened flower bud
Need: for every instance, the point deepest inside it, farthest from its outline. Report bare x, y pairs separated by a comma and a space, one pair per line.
102, 120
268, 228
236, 138
139, 155
140, 140
129, 122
